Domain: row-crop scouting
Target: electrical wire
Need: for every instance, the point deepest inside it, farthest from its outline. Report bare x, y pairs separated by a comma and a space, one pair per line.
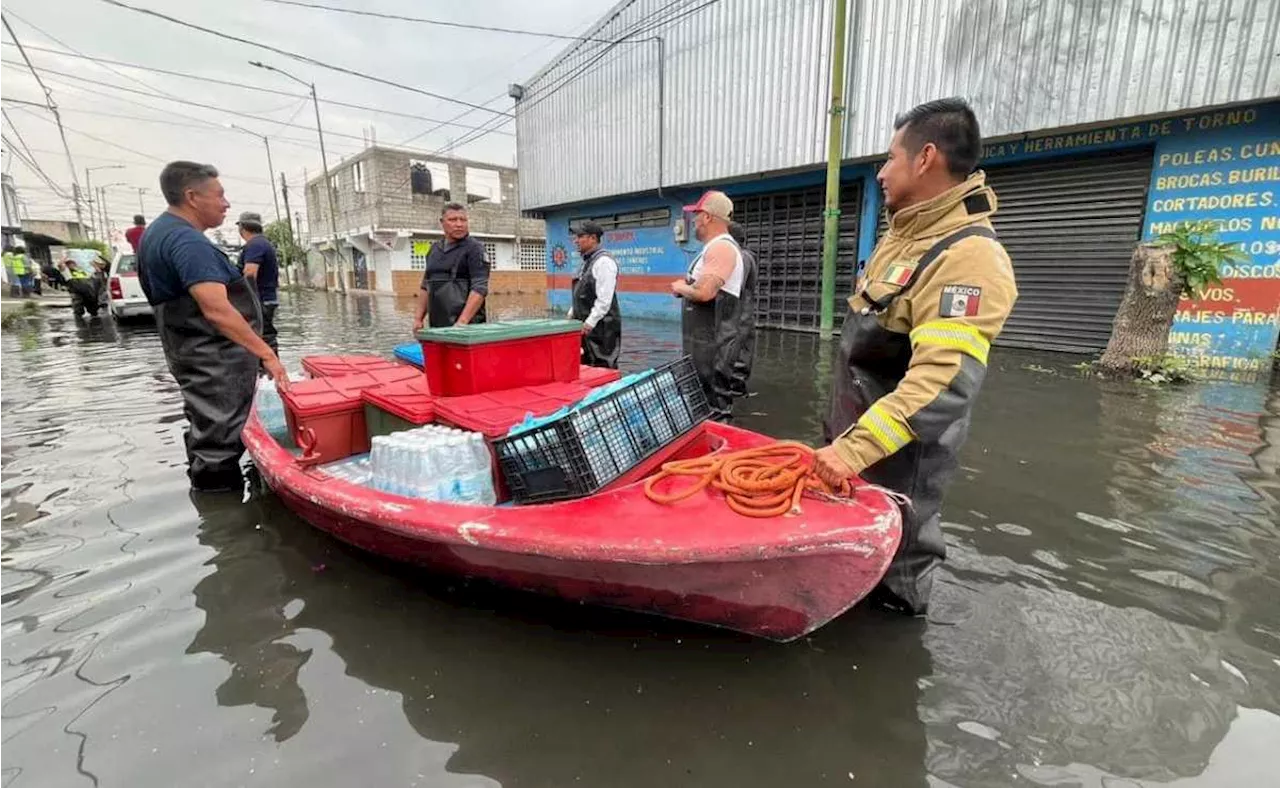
100, 140
65, 45
421, 20
256, 88
638, 28
18, 134
34, 166
212, 126
187, 102
644, 24
295, 56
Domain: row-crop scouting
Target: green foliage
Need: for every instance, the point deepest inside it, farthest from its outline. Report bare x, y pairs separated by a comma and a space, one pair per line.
99, 246
1163, 369
11, 319
1198, 254
280, 234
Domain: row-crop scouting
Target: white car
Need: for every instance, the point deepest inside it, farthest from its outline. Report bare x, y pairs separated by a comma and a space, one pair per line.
123, 288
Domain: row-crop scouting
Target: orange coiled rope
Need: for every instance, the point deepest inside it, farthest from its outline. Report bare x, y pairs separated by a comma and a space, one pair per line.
762, 482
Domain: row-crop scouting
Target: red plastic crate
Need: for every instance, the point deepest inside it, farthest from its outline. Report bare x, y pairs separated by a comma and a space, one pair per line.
461, 370
397, 373
326, 415
410, 400
598, 376
495, 413
333, 366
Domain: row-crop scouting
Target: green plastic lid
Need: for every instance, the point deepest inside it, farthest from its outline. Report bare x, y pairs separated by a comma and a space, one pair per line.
484, 333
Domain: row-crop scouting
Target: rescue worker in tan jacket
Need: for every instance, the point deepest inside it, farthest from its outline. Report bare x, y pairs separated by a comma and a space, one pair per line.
913, 350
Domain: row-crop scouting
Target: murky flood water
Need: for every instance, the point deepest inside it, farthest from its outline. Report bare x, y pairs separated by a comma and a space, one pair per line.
1109, 614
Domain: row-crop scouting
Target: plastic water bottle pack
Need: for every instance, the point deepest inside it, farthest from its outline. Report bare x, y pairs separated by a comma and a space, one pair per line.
270, 408
434, 463
356, 470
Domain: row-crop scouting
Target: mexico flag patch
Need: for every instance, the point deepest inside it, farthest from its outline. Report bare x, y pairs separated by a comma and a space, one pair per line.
959, 301
898, 274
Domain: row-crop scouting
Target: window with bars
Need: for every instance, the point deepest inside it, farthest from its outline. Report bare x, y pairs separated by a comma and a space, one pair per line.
532, 257
491, 252
658, 217
357, 175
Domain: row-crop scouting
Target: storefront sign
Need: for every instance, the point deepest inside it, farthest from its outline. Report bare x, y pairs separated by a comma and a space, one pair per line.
1231, 177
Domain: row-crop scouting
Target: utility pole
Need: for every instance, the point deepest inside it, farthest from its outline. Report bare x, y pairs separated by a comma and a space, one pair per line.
328, 187
288, 217
270, 167
88, 187
284, 192
324, 163
835, 150
102, 206
53, 109
142, 209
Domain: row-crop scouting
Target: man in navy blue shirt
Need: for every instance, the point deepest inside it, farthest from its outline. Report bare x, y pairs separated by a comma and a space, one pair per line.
260, 266
209, 318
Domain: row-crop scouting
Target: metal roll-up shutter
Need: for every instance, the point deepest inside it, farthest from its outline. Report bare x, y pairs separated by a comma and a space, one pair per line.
1070, 226
784, 229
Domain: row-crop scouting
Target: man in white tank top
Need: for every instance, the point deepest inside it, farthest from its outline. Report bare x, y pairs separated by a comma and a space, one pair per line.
711, 317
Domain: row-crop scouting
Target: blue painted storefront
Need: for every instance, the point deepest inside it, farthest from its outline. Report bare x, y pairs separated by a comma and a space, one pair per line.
1222, 165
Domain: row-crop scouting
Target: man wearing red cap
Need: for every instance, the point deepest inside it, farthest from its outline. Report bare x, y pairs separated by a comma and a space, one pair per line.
711, 321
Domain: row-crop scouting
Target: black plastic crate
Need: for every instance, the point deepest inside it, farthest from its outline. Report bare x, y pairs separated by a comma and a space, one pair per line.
588, 448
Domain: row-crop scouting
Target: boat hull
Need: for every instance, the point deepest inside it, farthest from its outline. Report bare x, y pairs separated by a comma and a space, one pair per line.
778, 587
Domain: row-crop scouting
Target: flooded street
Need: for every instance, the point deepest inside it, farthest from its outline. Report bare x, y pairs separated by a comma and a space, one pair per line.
1108, 614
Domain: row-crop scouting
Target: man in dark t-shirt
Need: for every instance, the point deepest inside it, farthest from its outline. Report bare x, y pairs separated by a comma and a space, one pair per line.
456, 281
260, 266
207, 315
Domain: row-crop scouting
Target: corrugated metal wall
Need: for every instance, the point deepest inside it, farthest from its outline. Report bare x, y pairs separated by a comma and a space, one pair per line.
746, 87
746, 84
1029, 65
1069, 226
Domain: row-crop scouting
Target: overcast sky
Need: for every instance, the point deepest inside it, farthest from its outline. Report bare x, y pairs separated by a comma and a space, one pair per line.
475, 66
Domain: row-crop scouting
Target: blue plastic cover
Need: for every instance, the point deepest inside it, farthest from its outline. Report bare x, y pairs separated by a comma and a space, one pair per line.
410, 353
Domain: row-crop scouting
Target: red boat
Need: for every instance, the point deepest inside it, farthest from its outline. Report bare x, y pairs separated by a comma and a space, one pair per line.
696, 560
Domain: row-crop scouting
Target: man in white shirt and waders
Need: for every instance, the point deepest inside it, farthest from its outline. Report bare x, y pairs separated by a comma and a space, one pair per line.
711, 320
595, 300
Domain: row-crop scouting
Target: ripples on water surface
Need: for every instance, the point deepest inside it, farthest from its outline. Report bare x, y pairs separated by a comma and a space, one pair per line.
1109, 614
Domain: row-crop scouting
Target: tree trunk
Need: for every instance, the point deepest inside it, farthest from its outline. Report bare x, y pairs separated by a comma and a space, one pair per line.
1142, 324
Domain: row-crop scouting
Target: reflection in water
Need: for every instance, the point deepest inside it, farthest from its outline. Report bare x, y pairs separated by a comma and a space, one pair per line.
1106, 617
245, 622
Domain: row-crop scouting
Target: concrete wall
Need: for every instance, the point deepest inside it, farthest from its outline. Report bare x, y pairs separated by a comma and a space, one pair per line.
388, 202
55, 228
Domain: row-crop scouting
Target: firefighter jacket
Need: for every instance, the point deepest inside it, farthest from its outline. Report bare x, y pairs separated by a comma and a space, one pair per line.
939, 286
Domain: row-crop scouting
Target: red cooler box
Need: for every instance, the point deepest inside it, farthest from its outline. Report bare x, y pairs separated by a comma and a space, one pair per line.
398, 406
475, 359
333, 366
326, 415
598, 376
495, 413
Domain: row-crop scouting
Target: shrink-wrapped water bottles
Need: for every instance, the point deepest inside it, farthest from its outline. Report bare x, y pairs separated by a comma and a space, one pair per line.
434, 463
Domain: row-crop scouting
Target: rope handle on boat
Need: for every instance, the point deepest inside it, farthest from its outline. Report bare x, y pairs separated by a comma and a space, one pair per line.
305, 437
766, 481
